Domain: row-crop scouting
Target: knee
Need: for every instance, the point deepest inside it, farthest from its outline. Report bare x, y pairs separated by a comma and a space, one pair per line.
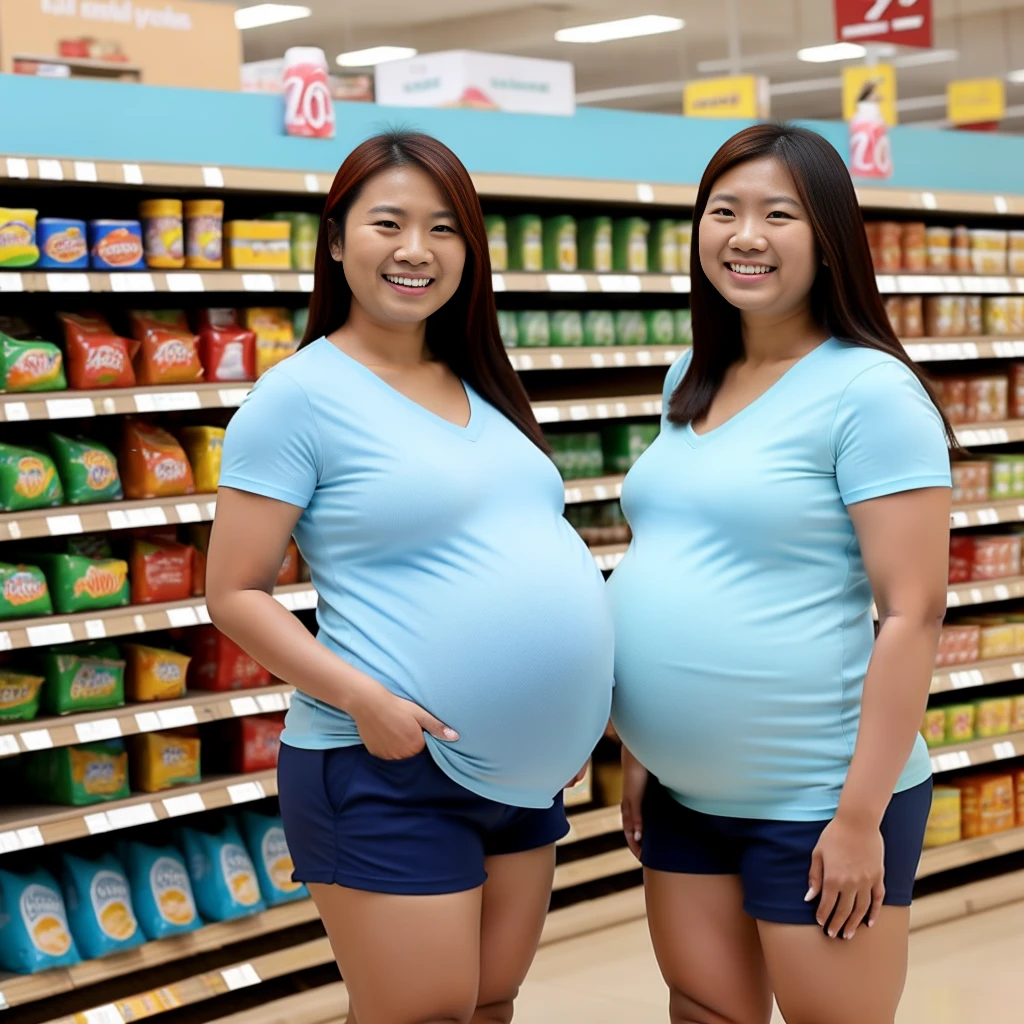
500, 1012
683, 1009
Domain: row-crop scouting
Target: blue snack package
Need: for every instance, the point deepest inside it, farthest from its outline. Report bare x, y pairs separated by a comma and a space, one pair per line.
34, 930
223, 875
264, 835
99, 904
161, 890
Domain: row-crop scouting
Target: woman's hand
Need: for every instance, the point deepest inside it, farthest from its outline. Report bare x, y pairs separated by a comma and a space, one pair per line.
848, 870
392, 727
634, 785
578, 777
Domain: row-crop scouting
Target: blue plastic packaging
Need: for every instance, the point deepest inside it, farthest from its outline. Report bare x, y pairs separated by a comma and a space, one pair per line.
99, 904
34, 930
161, 890
63, 244
223, 875
116, 245
264, 835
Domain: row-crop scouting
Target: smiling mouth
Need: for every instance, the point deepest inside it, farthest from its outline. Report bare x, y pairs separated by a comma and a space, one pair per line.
400, 281
750, 269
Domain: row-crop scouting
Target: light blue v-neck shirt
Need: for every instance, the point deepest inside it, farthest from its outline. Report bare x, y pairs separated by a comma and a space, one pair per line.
742, 609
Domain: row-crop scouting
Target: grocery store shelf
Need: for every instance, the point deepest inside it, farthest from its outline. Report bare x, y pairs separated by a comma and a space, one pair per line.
600, 409
146, 618
964, 900
978, 673
963, 594
195, 708
588, 824
987, 513
934, 350
602, 488
608, 557
325, 1004
583, 358
949, 284
970, 851
984, 434
582, 793
139, 282
977, 752
589, 869
589, 282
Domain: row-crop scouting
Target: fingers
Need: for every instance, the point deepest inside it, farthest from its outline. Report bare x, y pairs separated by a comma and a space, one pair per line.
861, 906
844, 904
632, 826
815, 877
877, 899
437, 729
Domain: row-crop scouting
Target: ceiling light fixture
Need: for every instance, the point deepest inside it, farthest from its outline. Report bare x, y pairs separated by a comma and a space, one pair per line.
832, 51
374, 55
626, 28
269, 14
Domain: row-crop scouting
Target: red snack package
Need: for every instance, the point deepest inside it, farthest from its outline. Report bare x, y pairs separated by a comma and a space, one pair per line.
961, 559
160, 571
169, 352
96, 356
255, 742
198, 572
153, 464
220, 664
228, 351
290, 566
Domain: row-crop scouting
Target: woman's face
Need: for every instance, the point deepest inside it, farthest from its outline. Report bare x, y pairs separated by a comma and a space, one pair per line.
756, 244
402, 249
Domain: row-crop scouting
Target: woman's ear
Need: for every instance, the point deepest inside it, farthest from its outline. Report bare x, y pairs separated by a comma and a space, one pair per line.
335, 240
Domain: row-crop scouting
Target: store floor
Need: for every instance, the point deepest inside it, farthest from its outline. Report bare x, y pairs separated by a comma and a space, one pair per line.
965, 972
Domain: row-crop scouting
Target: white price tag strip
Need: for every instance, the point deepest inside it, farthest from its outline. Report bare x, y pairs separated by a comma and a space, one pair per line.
108, 1014
171, 401
95, 629
132, 282
305, 600
619, 283
681, 284
1000, 204
11, 282
132, 174
187, 803
213, 177
129, 817
312, 183
30, 837
96, 824
9, 746
231, 398
50, 170
241, 706
181, 617
178, 718
287, 699
271, 702
1001, 751
17, 167
188, 513
69, 408
286, 600
85, 170
95, 732
245, 792
966, 680
498, 282
36, 739
548, 414
258, 282
152, 516
147, 721
644, 193
5, 641
928, 200
959, 519
203, 614
9, 842
306, 282
60, 526
185, 283
566, 283
44, 636
240, 977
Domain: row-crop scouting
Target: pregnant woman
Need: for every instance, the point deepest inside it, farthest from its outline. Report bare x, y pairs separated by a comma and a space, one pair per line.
802, 468
463, 668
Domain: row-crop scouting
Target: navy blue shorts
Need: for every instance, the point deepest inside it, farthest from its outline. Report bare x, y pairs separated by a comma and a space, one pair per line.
400, 827
773, 858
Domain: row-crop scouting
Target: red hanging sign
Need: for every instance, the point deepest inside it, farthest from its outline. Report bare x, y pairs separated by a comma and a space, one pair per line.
905, 22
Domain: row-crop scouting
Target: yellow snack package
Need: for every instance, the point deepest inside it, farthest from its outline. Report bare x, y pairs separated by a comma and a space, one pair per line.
161, 760
994, 716
944, 819
275, 335
154, 674
203, 446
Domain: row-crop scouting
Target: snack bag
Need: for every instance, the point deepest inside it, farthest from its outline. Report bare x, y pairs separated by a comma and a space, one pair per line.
289, 572
254, 742
81, 584
97, 357
264, 836
19, 696
155, 674
228, 351
161, 571
31, 365
28, 479
88, 470
34, 931
90, 545
275, 337
169, 351
153, 464
223, 875
82, 677
88, 774
203, 446
161, 890
99, 905
218, 663
164, 760
23, 592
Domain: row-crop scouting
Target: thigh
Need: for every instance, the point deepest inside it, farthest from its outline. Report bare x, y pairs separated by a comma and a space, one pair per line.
405, 959
707, 948
515, 903
818, 980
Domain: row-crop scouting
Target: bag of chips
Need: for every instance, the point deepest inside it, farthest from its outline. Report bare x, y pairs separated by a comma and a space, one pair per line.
96, 356
162, 760
34, 931
31, 365
19, 696
161, 890
275, 336
155, 674
28, 479
264, 836
223, 875
161, 571
80, 584
88, 470
83, 677
168, 351
90, 545
99, 905
227, 349
23, 592
204, 445
218, 663
78, 776
153, 464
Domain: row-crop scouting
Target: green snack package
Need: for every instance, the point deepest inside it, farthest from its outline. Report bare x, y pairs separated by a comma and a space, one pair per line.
89, 774
630, 327
629, 245
566, 328
534, 328
624, 443
599, 328
663, 247
594, 244
1002, 477
560, 251
559, 453
31, 365
80, 584
508, 325
684, 328
684, 235
28, 479
305, 228
90, 545
299, 320
88, 470
497, 241
24, 593
83, 677
591, 455
526, 242
19, 696
661, 327
960, 719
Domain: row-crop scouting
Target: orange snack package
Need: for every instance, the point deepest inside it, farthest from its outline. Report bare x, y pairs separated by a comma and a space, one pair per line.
96, 356
153, 464
168, 351
988, 804
160, 571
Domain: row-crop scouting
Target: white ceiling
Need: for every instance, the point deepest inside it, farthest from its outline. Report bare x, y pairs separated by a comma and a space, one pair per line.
989, 35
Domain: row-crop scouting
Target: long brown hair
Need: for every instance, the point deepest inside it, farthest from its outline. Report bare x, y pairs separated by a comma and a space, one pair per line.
844, 297
464, 332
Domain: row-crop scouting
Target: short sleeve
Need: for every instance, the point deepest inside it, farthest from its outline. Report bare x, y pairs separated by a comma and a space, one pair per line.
887, 436
672, 379
272, 447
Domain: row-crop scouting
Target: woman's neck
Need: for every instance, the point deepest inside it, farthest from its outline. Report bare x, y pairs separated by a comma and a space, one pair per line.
775, 338
377, 344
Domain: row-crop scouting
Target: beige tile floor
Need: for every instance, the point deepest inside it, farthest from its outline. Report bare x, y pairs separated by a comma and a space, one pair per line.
964, 972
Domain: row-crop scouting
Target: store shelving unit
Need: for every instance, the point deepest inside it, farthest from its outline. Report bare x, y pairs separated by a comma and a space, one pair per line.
978, 673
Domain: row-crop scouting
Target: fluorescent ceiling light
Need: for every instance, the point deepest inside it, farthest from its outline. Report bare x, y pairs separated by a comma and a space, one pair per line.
374, 55
1017, 77
627, 28
831, 52
269, 14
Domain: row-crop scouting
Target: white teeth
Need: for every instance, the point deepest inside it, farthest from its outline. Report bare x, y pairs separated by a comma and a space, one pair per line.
409, 282
744, 268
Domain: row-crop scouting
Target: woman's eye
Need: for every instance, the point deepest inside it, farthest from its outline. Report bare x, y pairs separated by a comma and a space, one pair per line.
444, 227
722, 212
780, 213
385, 224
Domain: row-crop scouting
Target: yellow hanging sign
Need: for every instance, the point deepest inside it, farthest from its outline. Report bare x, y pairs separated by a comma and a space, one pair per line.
742, 96
975, 100
870, 84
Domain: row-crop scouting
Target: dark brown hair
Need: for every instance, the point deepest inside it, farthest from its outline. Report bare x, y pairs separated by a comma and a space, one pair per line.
464, 332
844, 296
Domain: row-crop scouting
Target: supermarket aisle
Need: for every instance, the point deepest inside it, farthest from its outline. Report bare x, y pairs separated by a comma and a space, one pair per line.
960, 973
